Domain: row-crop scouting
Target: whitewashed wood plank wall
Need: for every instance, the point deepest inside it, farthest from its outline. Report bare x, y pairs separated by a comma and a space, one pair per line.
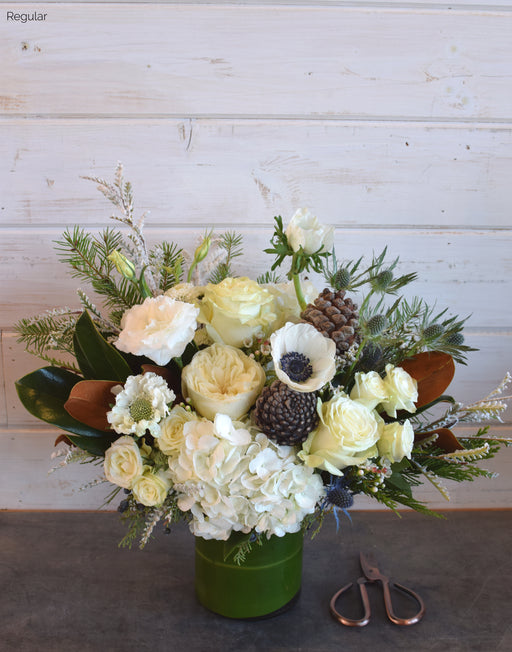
391, 120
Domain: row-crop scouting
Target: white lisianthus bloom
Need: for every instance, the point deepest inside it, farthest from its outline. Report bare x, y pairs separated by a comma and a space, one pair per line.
151, 487
369, 389
171, 429
396, 441
347, 435
286, 304
236, 309
222, 379
303, 358
402, 390
304, 230
232, 480
159, 328
140, 405
123, 462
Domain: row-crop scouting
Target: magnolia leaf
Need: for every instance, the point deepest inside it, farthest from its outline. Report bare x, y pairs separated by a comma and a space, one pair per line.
433, 370
446, 440
44, 393
97, 358
63, 439
90, 400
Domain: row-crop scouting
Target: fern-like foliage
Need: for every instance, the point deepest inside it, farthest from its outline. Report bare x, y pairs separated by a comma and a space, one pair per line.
412, 326
166, 260
231, 243
87, 255
49, 332
269, 277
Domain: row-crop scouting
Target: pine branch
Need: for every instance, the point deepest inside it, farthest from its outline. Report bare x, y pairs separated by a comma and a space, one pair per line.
166, 260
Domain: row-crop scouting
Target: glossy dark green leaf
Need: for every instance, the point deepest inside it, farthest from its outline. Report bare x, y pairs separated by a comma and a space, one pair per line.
43, 394
96, 358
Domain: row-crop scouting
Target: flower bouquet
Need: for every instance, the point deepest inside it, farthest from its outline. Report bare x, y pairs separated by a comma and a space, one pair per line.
250, 409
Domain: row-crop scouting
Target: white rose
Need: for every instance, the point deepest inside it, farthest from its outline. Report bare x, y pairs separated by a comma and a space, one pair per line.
304, 230
287, 307
151, 488
347, 435
237, 309
396, 441
123, 462
369, 389
402, 390
159, 328
171, 430
222, 379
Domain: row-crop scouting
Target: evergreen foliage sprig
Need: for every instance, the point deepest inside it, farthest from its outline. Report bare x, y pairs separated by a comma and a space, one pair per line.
120, 193
88, 257
231, 244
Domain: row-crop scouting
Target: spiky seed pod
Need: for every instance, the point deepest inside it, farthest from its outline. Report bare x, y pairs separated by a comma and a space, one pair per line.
433, 331
454, 339
340, 497
342, 279
284, 415
382, 281
376, 324
335, 317
371, 359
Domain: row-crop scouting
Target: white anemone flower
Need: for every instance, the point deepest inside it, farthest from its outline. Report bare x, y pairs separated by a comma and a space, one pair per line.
303, 358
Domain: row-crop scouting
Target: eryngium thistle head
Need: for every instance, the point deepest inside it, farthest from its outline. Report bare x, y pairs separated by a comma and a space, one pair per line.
371, 359
342, 279
382, 281
376, 324
433, 331
454, 339
340, 497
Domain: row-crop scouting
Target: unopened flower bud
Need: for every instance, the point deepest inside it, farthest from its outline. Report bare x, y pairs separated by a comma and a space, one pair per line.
202, 250
123, 265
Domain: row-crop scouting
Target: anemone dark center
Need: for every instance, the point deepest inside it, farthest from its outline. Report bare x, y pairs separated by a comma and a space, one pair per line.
296, 366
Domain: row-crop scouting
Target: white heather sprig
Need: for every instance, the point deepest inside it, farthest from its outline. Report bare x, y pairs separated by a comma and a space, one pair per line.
150, 526
70, 455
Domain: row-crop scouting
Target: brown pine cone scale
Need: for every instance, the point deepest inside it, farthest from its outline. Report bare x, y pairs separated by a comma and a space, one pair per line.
284, 415
335, 317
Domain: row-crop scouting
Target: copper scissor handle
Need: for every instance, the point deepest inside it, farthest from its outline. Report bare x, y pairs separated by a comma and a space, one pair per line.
352, 622
372, 574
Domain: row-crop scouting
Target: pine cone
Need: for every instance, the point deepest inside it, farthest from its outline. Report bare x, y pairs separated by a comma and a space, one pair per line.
284, 415
335, 317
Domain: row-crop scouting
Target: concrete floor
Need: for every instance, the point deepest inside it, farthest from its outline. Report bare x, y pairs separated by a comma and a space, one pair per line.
67, 587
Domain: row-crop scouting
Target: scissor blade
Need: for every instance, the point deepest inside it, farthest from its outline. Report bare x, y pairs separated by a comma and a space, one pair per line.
369, 566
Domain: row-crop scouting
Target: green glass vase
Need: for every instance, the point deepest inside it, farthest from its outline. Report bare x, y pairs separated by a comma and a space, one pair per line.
265, 584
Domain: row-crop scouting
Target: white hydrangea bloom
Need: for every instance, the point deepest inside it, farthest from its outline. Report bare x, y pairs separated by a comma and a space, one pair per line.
140, 405
231, 480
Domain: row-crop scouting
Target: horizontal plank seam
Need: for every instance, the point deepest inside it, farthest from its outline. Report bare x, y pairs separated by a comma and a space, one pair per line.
436, 229
440, 122
384, 6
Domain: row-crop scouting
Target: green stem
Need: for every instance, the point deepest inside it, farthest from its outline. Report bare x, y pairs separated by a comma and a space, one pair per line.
298, 291
191, 270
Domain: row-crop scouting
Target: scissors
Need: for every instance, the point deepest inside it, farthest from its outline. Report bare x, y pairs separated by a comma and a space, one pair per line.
372, 574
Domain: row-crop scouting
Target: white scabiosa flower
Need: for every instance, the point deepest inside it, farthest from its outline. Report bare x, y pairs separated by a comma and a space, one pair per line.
140, 405
303, 358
